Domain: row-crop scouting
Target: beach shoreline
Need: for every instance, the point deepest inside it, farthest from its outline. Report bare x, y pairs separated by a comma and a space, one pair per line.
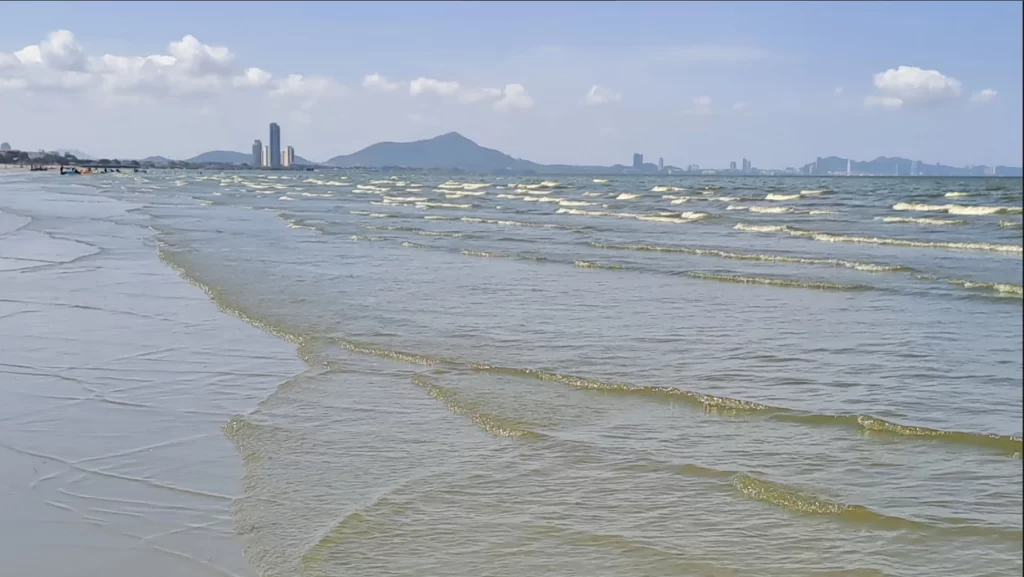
119, 375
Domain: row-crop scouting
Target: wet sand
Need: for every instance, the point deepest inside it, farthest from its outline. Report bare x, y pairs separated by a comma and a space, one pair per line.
112, 457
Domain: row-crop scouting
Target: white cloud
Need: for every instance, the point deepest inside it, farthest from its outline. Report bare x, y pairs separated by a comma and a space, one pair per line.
378, 83
910, 85
701, 106
986, 95
740, 106
308, 89
424, 85
479, 95
252, 78
599, 95
883, 102
514, 97
838, 91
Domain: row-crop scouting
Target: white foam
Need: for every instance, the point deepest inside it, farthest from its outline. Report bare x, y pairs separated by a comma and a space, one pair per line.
773, 196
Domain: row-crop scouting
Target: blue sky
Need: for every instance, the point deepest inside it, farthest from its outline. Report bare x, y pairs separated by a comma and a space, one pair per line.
695, 83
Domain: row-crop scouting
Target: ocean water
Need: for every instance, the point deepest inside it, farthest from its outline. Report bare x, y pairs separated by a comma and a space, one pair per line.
416, 374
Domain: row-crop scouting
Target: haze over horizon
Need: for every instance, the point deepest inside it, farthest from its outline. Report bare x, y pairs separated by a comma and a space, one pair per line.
552, 83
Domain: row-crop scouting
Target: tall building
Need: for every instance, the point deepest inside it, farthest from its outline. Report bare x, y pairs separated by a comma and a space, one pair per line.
288, 157
661, 164
732, 165
849, 167
257, 153
265, 159
638, 160
747, 167
915, 168
275, 145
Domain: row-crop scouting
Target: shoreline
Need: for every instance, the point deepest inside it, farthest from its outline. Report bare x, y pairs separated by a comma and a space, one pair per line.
119, 377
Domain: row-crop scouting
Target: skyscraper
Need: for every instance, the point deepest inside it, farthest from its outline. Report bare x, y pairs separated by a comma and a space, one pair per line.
746, 166
732, 165
661, 164
288, 157
638, 160
265, 160
275, 145
257, 153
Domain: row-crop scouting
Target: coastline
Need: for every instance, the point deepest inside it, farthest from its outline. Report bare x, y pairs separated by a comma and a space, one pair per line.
118, 378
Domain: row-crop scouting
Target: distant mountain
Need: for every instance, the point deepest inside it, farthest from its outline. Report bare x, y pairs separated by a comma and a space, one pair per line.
156, 160
454, 151
230, 157
450, 150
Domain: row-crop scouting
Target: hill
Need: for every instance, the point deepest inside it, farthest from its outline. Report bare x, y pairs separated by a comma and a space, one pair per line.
451, 150
231, 157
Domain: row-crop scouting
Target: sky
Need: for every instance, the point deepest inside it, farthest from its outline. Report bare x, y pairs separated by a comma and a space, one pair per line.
575, 82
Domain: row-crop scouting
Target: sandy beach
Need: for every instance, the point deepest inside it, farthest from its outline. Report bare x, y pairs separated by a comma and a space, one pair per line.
111, 449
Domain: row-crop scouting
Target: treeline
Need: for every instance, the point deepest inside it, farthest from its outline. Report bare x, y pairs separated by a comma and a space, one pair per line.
21, 157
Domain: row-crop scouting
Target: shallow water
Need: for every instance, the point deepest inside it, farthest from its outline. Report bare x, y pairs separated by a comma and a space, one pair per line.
644, 376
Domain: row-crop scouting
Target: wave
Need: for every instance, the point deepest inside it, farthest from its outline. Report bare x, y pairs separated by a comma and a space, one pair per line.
358, 237
737, 207
956, 194
862, 266
589, 264
574, 203
771, 209
680, 217
831, 237
912, 220
773, 196
1007, 444
1003, 289
483, 254
957, 209
442, 205
490, 423
781, 282
668, 189
628, 196
500, 222
1009, 224
1004, 443
812, 192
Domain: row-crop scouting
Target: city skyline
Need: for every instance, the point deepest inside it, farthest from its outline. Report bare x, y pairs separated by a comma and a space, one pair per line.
763, 78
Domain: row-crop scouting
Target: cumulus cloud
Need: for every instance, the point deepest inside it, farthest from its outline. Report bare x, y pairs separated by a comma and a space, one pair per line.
986, 95
514, 96
378, 83
838, 91
910, 85
252, 78
479, 95
598, 95
426, 85
307, 89
189, 67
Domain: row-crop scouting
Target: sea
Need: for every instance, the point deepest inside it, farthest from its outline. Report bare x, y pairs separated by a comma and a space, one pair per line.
318, 374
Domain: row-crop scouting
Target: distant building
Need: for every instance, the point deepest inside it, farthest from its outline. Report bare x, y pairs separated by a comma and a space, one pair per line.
257, 153
661, 164
275, 145
265, 159
732, 165
638, 160
747, 166
915, 168
5, 147
849, 167
288, 157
